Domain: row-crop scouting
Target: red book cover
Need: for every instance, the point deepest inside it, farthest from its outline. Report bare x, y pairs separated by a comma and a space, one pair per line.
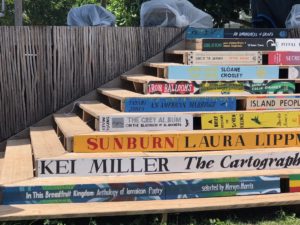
284, 58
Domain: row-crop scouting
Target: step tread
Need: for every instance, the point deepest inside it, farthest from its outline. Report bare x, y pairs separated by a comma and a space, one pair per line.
181, 52
57, 181
71, 124
45, 142
96, 108
121, 94
173, 154
161, 65
141, 78
17, 164
22, 212
227, 131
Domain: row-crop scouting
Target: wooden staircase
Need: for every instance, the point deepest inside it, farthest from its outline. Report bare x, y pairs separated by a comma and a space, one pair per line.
79, 150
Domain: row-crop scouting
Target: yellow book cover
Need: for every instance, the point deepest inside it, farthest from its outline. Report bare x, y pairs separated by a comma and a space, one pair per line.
215, 121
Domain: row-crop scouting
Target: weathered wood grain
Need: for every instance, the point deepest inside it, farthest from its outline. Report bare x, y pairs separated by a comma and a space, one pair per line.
43, 69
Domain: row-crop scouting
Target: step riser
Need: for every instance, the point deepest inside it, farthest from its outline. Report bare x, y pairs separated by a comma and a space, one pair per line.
202, 141
209, 104
191, 163
243, 58
220, 73
220, 87
244, 44
183, 104
223, 58
284, 58
181, 189
272, 102
195, 33
126, 122
218, 121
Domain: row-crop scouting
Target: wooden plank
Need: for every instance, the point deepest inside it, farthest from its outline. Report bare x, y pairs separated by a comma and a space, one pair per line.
161, 65
30, 212
199, 140
118, 93
96, 108
17, 162
45, 143
70, 125
138, 163
140, 78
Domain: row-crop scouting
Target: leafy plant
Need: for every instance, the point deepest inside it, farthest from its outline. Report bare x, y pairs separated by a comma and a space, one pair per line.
127, 12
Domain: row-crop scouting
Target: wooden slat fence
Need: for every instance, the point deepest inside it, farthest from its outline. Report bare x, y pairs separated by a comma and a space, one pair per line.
44, 68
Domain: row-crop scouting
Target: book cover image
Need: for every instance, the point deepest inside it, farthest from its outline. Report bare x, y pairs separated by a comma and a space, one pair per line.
223, 73
222, 187
284, 58
83, 193
294, 183
116, 192
240, 120
194, 33
183, 104
248, 87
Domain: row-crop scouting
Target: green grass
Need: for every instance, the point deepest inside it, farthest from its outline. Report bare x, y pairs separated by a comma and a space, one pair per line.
259, 216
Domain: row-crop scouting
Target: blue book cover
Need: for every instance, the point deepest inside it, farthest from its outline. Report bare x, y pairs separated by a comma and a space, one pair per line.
210, 73
222, 187
180, 104
83, 193
195, 33
115, 192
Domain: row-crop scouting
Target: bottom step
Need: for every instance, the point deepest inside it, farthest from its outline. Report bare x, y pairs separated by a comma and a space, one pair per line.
28, 212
